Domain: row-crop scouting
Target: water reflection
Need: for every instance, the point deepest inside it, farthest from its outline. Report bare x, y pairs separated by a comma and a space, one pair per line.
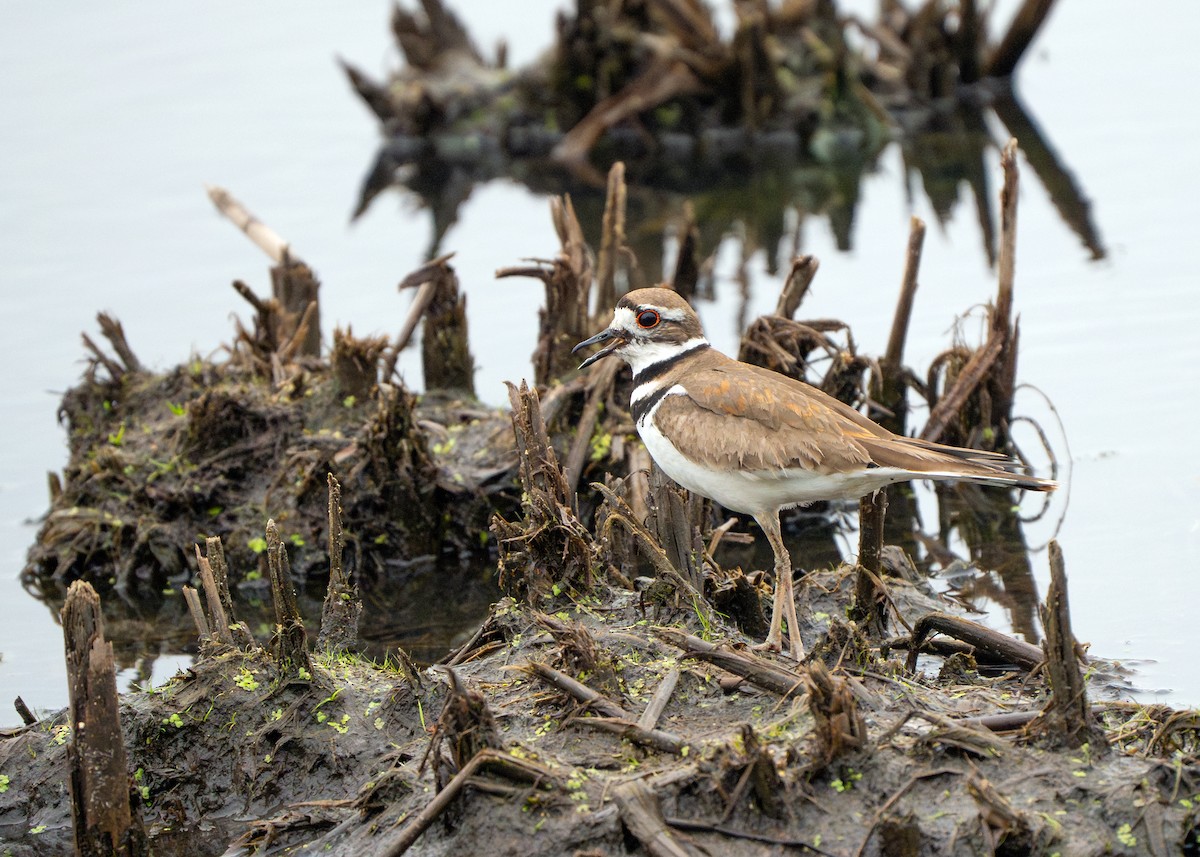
749, 182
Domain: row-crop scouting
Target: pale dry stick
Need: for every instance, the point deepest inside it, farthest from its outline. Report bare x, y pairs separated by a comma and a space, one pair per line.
662, 695
263, 236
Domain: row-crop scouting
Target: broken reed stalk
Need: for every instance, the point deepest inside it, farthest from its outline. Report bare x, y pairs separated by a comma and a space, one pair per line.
612, 237
290, 644
600, 384
424, 280
686, 276
1004, 380
494, 760
613, 717
564, 321
343, 607
296, 288
891, 393
758, 671
870, 602
677, 519
1068, 717
106, 821
220, 619
658, 702
1001, 345
446, 360
838, 726
804, 268
115, 334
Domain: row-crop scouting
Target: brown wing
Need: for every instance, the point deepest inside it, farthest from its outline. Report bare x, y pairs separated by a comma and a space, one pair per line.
780, 423
762, 422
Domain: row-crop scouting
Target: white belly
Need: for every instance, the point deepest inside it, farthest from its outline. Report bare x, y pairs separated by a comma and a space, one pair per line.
758, 492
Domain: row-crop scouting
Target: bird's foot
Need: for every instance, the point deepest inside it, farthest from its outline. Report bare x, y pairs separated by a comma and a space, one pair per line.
767, 645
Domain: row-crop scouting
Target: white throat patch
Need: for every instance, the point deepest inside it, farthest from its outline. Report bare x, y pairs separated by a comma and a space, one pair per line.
642, 353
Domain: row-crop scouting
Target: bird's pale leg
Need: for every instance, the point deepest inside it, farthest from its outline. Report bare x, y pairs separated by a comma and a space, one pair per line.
784, 605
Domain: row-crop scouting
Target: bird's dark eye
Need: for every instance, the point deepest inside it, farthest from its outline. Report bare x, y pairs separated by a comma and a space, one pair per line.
648, 318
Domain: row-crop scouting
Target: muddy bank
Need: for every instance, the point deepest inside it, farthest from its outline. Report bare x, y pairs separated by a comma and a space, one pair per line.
596, 719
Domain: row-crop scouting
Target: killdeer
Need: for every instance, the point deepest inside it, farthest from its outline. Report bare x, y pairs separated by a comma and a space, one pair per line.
756, 441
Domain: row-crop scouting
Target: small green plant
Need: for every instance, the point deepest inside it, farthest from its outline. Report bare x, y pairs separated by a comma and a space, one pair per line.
41, 828
176, 409
847, 782
59, 734
296, 539
174, 720
257, 544
1125, 834
349, 401
119, 437
246, 680
4, 781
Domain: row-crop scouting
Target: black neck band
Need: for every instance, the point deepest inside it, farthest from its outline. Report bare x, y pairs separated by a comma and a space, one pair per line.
655, 370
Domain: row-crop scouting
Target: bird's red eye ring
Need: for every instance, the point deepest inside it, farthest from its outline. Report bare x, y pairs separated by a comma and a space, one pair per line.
648, 318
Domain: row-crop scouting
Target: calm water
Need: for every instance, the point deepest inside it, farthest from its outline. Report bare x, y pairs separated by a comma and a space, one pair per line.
114, 118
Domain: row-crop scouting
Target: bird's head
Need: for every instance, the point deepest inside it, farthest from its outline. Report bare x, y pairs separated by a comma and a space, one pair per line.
649, 325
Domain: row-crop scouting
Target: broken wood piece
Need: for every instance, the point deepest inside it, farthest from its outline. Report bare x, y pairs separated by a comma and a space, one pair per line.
660, 82
107, 822
758, 671
963, 734
27, 716
893, 357
1024, 655
495, 761
641, 815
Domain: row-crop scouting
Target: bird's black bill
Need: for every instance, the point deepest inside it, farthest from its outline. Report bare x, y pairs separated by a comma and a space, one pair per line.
602, 336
